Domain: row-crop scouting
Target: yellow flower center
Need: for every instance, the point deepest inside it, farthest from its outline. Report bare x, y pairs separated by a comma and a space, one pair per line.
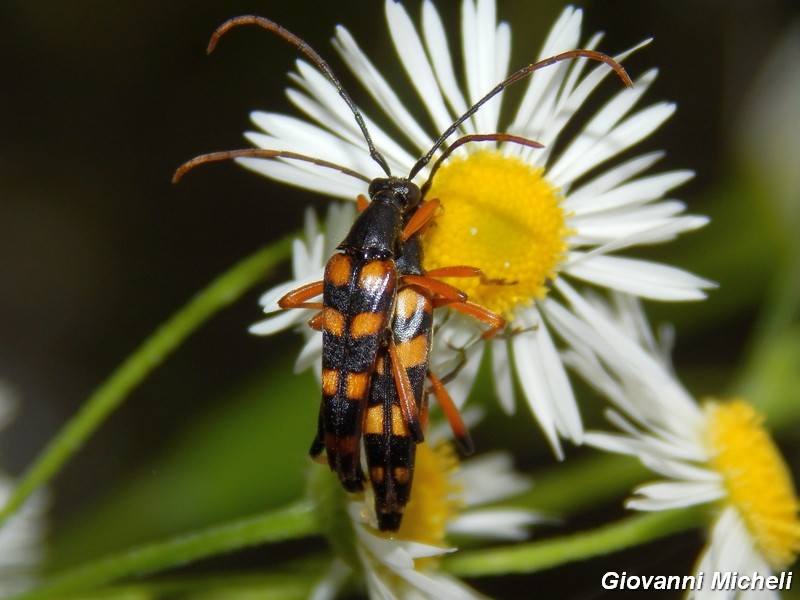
500, 215
435, 498
758, 482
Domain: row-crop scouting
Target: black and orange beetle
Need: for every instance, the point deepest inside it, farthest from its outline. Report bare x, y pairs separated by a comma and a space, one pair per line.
399, 378
359, 289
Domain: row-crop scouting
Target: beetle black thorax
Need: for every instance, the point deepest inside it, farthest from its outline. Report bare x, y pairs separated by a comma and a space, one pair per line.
375, 231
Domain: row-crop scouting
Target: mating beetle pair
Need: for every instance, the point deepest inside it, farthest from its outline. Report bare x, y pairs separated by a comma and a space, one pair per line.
377, 304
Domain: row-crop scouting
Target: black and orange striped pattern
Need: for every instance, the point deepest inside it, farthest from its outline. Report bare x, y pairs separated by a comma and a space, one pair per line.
389, 440
364, 363
391, 429
358, 295
376, 345
357, 301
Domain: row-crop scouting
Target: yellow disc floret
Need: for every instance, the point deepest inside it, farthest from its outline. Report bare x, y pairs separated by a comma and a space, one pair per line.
500, 215
757, 480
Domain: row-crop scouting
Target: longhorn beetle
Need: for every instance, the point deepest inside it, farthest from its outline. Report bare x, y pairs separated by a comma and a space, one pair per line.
360, 282
401, 368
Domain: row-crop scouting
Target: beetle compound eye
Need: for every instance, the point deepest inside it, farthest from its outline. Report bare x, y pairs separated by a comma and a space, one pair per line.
376, 185
412, 195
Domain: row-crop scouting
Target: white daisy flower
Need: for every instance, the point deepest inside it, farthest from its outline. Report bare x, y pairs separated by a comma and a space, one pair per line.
309, 256
22, 535
449, 499
711, 452
530, 217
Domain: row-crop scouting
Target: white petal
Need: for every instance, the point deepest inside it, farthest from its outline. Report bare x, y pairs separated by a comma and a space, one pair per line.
638, 191
502, 377
629, 359
489, 478
412, 55
731, 548
641, 278
544, 381
680, 470
279, 322
378, 87
610, 442
297, 135
603, 136
530, 373
646, 225
502, 55
611, 178
664, 496
469, 31
310, 354
330, 585
491, 52
570, 100
338, 221
319, 180
307, 255
569, 419
460, 387
457, 332
341, 119
504, 524
538, 103
391, 554
438, 585
441, 60
336, 114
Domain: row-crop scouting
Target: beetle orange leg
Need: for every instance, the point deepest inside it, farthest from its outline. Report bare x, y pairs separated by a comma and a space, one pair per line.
439, 288
465, 271
405, 394
453, 415
455, 271
298, 298
315, 322
479, 312
420, 219
361, 202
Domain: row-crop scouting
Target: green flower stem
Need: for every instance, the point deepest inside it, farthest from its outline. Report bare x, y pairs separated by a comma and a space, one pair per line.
289, 584
294, 521
583, 483
222, 292
537, 556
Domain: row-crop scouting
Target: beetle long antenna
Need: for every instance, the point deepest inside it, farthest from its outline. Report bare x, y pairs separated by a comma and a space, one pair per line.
323, 66
512, 79
475, 137
261, 153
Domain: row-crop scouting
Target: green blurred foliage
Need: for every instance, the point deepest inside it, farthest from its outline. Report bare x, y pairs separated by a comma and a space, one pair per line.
103, 100
242, 456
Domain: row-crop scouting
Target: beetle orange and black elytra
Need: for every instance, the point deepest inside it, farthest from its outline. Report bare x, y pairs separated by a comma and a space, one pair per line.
356, 307
402, 367
358, 294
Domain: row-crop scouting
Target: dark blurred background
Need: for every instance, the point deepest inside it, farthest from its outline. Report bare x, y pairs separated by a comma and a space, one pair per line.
100, 102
